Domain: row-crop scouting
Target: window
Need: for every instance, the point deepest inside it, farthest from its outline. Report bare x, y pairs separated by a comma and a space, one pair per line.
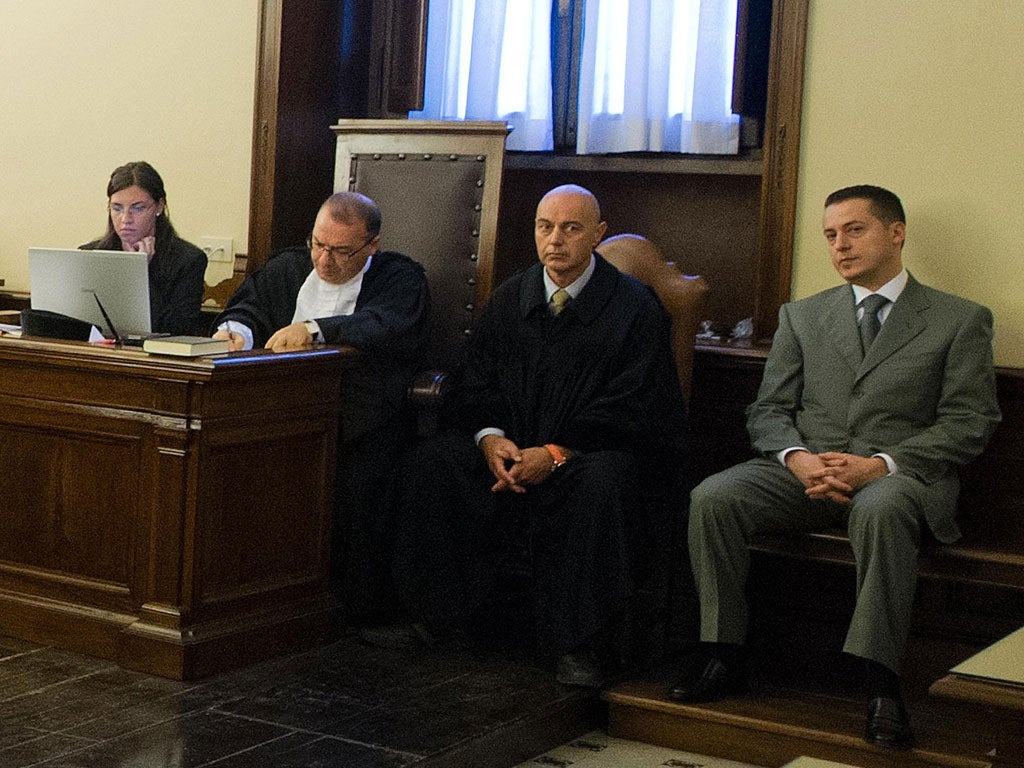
593, 76
490, 60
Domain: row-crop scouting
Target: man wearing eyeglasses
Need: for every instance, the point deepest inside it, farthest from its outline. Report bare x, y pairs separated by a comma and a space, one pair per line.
341, 289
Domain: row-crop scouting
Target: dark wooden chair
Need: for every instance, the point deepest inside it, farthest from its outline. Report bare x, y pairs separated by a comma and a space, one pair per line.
662, 598
437, 184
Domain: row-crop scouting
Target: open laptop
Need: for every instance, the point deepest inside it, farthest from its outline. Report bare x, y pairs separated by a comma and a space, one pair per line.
88, 285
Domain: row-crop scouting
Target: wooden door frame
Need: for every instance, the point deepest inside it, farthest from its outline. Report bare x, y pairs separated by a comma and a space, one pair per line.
264, 132
781, 163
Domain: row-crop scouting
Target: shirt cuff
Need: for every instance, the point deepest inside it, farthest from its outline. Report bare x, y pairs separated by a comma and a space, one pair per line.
889, 463
233, 326
781, 455
487, 431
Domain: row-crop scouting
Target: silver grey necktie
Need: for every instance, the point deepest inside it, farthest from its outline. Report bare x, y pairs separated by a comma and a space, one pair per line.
869, 322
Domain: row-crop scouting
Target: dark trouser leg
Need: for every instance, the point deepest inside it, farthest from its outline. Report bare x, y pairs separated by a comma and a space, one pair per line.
885, 532
579, 523
363, 493
448, 533
727, 511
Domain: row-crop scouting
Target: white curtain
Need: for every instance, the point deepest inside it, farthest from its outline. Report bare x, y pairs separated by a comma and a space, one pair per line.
656, 75
491, 60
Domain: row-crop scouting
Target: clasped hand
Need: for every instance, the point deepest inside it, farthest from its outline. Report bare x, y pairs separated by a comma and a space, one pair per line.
514, 468
834, 476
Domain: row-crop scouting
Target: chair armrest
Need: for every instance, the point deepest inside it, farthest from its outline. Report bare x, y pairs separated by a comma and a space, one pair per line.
428, 388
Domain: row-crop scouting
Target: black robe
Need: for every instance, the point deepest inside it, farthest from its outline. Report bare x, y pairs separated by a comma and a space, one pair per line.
600, 376
598, 379
388, 326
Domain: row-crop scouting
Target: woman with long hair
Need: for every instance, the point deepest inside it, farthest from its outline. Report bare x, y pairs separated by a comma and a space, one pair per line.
137, 220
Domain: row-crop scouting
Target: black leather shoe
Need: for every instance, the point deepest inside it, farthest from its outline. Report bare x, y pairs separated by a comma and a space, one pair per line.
713, 680
888, 724
579, 669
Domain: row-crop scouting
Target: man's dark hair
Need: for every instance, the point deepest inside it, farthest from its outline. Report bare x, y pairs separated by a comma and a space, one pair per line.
350, 207
884, 204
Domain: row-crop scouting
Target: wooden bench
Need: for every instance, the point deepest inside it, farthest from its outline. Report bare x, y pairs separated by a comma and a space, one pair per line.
991, 510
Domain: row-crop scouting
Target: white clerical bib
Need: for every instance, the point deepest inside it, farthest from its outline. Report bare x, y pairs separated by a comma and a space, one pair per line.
320, 299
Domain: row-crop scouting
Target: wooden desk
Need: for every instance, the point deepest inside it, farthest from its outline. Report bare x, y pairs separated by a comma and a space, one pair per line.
170, 514
994, 679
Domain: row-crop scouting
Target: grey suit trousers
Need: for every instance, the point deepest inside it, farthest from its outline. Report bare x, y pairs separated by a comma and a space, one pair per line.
884, 523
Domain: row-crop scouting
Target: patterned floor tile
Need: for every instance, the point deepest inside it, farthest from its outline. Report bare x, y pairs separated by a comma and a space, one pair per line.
598, 750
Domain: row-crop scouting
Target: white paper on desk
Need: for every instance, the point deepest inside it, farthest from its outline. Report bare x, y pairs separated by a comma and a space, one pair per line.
10, 330
1002, 661
813, 762
95, 335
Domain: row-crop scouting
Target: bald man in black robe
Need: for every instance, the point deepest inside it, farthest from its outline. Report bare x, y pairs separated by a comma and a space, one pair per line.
569, 419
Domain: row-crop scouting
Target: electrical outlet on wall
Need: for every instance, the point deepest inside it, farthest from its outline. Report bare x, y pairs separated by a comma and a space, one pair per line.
218, 248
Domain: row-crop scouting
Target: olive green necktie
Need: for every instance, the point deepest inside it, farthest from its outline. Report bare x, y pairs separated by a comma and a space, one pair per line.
558, 300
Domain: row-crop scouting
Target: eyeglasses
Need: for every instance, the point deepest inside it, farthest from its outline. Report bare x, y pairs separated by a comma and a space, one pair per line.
336, 252
135, 209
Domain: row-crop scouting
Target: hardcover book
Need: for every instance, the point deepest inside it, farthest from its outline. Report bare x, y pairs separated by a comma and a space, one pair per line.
185, 346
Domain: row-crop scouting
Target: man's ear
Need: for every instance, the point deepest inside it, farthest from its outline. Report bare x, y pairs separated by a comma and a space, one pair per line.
898, 231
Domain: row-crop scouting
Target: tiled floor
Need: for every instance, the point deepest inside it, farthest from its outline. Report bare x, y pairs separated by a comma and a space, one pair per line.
342, 705
346, 704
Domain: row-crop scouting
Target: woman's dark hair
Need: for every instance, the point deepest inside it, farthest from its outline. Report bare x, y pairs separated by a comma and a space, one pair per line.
138, 174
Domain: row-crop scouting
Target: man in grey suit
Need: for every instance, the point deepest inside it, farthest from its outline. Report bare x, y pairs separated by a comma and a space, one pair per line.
855, 431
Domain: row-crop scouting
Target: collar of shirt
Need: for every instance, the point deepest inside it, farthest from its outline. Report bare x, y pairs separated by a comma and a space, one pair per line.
890, 290
575, 287
321, 299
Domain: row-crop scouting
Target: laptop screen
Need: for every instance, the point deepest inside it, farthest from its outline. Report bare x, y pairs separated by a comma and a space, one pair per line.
69, 281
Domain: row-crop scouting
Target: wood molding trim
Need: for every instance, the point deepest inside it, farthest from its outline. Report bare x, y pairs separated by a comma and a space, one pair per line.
264, 133
398, 58
781, 165
313, 62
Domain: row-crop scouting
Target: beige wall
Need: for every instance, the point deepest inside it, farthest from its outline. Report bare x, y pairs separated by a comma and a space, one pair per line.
86, 86
922, 97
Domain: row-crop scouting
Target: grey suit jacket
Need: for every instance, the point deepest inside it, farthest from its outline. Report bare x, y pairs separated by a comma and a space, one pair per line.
924, 393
